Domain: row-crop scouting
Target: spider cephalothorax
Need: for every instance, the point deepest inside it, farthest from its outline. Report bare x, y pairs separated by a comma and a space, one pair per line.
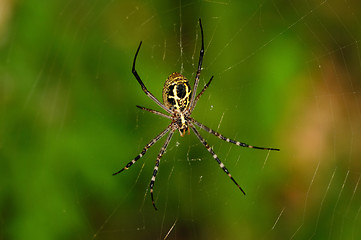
179, 102
182, 121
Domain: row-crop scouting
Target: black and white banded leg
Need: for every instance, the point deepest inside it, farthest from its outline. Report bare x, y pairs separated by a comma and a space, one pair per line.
220, 136
145, 149
155, 171
154, 112
210, 150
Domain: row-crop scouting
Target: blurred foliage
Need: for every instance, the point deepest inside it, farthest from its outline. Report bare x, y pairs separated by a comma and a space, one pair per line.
287, 75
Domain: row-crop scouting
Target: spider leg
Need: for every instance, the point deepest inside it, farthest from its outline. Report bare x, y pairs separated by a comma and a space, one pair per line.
155, 171
149, 94
203, 90
220, 136
196, 81
145, 149
154, 112
210, 150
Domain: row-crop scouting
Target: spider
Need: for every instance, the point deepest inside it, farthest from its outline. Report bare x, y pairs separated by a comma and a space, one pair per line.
179, 102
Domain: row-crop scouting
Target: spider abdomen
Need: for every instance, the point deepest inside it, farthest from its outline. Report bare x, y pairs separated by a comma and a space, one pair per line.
176, 92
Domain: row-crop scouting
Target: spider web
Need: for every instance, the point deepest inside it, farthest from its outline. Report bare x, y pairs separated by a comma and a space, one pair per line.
286, 75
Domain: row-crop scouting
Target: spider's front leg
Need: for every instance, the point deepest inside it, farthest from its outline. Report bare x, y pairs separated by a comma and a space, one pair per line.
155, 171
144, 151
210, 150
220, 136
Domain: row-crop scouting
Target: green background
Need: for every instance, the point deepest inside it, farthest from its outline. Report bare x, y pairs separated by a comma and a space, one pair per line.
287, 75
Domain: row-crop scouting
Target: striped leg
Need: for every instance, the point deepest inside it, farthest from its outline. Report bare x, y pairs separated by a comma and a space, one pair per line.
154, 112
145, 149
220, 136
203, 90
215, 157
162, 150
